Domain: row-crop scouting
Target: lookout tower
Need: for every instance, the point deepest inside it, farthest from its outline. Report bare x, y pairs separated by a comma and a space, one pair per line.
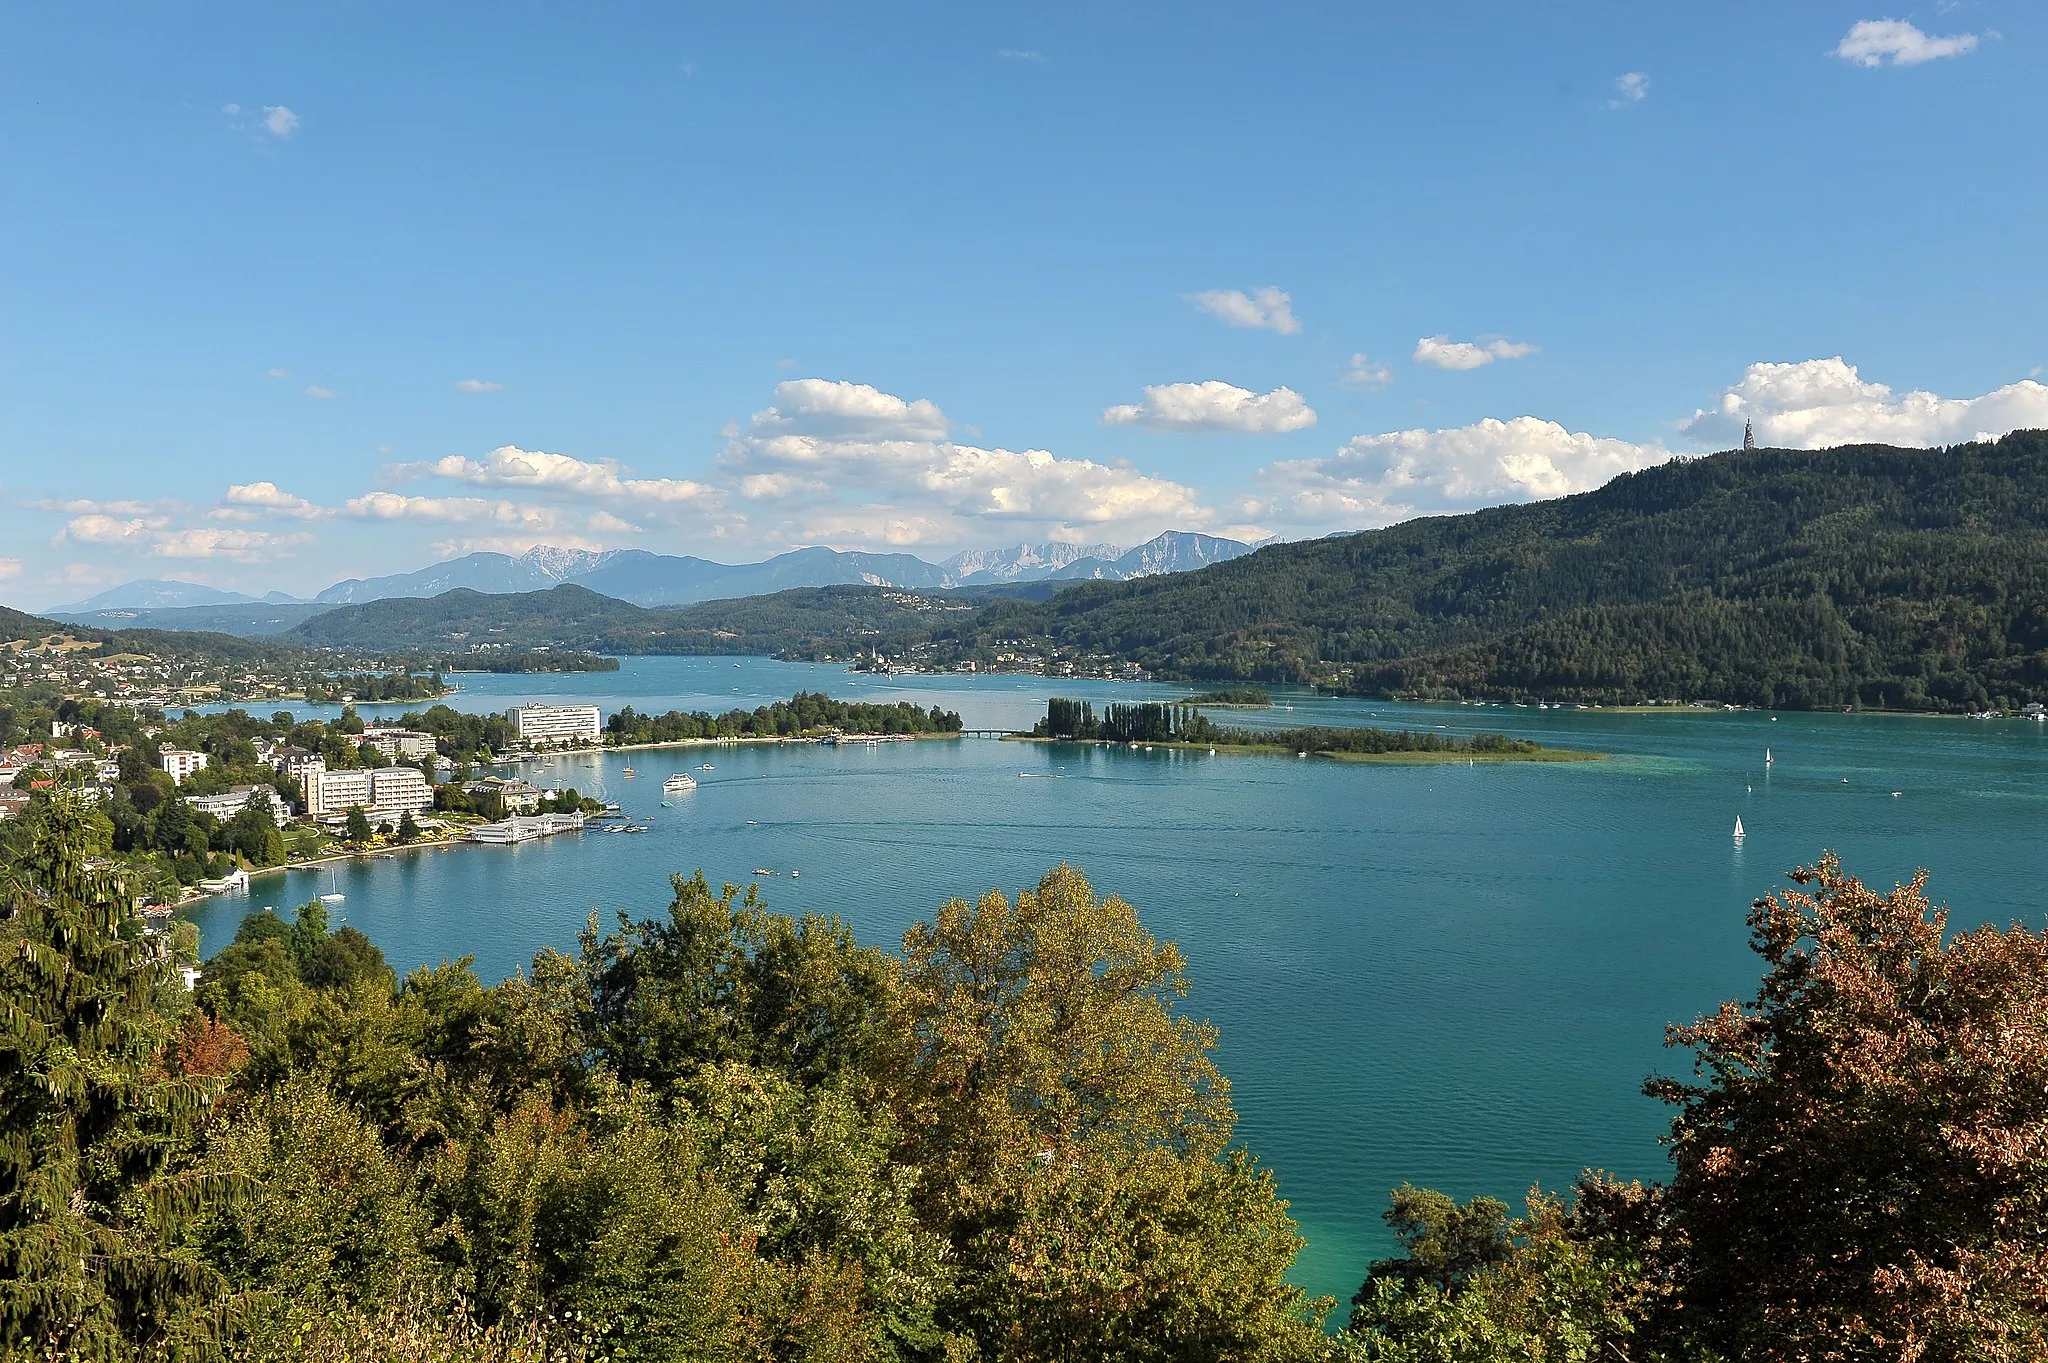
1748, 437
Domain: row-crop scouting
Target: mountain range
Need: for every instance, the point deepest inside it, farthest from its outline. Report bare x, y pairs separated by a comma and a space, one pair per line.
647, 579
1865, 575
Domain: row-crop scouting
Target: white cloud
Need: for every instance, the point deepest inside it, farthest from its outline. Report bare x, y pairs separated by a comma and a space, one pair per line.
127, 507
1878, 42
10, 568
1444, 353
510, 466
268, 498
277, 374
900, 490
1631, 88
1365, 372
1812, 404
836, 408
479, 386
779, 487
605, 523
99, 528
231, 108
392, 506
1379, 479
241, 546
514, 544
1267, 309
281, 121
1214, 406
1015, 54
314, 390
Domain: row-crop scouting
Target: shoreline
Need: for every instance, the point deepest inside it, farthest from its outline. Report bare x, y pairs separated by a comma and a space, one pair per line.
1409, 758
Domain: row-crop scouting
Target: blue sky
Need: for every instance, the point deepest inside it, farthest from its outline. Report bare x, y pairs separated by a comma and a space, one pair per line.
297, 294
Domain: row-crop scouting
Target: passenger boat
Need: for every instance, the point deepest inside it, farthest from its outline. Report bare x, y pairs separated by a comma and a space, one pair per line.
677, 784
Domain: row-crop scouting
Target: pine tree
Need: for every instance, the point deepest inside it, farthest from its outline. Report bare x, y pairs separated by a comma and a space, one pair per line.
89, 1117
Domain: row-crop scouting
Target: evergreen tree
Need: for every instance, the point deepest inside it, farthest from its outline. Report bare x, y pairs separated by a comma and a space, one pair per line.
358, 829
88, 1115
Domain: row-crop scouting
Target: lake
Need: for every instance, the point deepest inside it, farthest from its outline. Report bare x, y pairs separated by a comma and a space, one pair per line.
1454, 975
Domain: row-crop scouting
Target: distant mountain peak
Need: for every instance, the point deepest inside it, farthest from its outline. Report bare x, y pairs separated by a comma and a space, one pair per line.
155, 593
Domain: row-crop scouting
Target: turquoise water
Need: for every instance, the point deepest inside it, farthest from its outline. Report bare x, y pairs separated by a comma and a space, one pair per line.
1447, 974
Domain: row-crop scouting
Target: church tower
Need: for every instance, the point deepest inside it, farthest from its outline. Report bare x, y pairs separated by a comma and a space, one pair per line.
1748, 437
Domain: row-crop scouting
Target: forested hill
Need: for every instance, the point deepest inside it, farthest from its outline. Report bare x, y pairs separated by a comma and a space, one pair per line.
1870, 575
803, 620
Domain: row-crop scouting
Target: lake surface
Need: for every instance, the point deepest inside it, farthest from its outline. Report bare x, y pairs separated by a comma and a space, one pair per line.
1455, 975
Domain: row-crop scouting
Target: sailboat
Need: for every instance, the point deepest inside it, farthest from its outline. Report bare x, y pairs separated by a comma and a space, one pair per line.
1738, 828
334, 894
1767, 757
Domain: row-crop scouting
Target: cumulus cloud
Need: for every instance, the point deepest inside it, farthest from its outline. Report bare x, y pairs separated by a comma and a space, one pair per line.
1365, 372
509, 466
77, 506
314, 390
1214, 406
1632, 88
1894, 42
1811, 404
393, 506
605, 523
1379, 479
888, 486
277, 374
1267, 309
99, 528
10, 568
827, 407
478, 386
280, 120
1442, 352
240, 546
268, 498
1019, 54
779, 487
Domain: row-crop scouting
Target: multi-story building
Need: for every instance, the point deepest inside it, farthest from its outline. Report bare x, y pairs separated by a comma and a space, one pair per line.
396, 789
400, 745
330, 793
231, 802
513, 796
297, 763
180, 763
380, 791
549, 725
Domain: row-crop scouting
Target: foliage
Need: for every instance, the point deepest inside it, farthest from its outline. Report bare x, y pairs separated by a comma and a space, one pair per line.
91, 1126
1152, 722
1861, 1163
806, 712
718, 1133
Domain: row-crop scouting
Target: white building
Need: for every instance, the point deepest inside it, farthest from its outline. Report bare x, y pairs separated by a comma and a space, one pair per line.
180, 763
297, 763
546, 725
332, 792
396, 789
229, 803
400, 745
383, 791
524, 829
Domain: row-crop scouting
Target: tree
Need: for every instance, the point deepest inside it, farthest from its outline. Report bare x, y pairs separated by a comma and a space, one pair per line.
1076, 1139
408, 828
88, 1117
1861, 1162
357, 829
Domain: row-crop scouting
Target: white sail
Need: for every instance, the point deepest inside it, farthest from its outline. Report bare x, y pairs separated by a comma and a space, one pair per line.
1738, 828
1767, 757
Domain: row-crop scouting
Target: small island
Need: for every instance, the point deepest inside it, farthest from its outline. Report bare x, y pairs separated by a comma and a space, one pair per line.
1248, 697
1183, 726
